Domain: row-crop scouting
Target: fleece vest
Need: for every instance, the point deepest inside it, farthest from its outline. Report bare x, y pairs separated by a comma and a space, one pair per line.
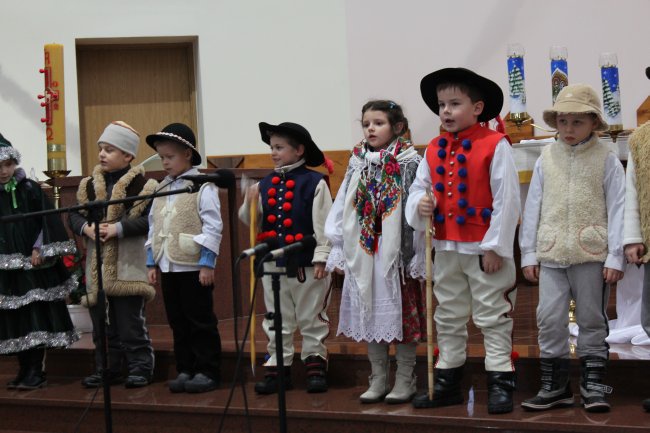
640, 149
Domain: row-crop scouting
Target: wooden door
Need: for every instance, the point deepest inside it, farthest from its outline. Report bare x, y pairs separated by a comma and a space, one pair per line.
146, 85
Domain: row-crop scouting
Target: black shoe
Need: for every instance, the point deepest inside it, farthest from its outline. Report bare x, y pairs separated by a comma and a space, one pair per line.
446, 389
592, 389
34, 379
13, 383
137, 381
95, 380
178, 385
270, 383
201, 383
555, 390
501, 384
316, 374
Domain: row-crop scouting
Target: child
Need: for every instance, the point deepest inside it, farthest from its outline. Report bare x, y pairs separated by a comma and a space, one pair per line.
475, 210
33, 280
184, 237
121, 232
294, 202
636, 226
573, 227
373, 245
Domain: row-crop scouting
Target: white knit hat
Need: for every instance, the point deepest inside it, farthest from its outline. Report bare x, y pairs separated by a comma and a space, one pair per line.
122, 136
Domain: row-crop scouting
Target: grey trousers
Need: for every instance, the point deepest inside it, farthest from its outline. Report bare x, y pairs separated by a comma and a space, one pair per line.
645, 300
585, 284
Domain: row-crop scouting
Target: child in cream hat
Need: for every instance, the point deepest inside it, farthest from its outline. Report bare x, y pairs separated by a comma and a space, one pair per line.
571, 242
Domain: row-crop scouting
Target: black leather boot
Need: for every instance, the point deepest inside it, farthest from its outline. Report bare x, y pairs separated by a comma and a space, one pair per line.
271, 383
316, 374
556, 388
34, 377
23, 366
446, 389
501, 384
592, 389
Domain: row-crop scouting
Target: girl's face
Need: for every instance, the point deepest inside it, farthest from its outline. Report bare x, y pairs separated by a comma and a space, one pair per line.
377, 129
282, 153
112, 159
7, 169
176, 159
575, 128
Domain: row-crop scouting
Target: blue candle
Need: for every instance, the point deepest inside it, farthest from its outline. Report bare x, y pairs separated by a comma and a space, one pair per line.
559, 70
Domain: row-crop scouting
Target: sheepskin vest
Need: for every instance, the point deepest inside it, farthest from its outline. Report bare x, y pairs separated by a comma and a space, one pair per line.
639, 143
175, 226
573, 222
124, 267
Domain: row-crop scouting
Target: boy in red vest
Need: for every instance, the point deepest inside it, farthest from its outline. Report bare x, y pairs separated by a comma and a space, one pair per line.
468, 184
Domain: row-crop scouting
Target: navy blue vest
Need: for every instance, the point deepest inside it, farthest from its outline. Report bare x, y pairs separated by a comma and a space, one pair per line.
287, 201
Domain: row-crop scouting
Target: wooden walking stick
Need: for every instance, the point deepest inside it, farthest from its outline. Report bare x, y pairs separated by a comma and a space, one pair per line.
429, 288
252, 239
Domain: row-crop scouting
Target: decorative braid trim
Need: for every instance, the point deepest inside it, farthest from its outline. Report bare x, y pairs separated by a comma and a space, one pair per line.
177, 137
55, 293
39, 338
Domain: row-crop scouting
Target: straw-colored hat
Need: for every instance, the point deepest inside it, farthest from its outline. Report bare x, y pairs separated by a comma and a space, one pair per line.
576, 99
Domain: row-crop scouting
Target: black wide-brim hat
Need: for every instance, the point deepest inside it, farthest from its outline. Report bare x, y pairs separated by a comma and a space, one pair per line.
492, 94
313, 155
179, 133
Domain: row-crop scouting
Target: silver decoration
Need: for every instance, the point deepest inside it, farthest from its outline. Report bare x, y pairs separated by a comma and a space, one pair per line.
39, 338
55, 293
58, 249
14, 261
8, 152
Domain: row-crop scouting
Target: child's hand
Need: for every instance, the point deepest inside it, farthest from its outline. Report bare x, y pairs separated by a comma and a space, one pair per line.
89, 231
152, 275
206, 276
531, 273
339, 271
253, 193
37, 259
633, 253
107, 231
612, 275
425, 206
319, 271
492, 262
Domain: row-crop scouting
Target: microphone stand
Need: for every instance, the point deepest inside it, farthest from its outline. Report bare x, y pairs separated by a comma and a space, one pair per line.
96, 210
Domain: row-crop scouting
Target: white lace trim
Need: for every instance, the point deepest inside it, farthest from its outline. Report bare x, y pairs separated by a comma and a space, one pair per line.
336, 259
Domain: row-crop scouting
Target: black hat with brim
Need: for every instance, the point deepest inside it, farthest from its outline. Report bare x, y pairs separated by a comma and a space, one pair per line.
179, 133
313, 155
492, 96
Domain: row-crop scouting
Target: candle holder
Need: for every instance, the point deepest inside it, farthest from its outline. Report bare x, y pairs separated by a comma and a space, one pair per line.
559, 69
611, 93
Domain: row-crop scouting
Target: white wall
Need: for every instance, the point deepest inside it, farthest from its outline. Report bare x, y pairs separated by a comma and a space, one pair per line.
316, 62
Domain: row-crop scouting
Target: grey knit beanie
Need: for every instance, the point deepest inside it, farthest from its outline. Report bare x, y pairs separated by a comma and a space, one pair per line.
122, 136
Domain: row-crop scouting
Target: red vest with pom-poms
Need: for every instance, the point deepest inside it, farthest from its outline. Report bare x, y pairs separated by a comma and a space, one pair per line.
460, 174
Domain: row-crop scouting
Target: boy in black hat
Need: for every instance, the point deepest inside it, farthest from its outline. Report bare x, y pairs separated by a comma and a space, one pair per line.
184, 238
294, 202
468, 184
122, 233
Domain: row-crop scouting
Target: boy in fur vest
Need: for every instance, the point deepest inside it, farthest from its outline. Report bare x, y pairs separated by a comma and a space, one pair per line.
636, 226
573, 228
122, 236
184, 238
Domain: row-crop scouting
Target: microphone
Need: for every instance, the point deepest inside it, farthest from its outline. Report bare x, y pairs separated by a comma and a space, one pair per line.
647, 72
261, 249
306, 243
222, 178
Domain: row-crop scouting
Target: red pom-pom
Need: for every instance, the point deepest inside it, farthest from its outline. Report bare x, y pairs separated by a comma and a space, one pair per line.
289, 239
287, 222
271, 218
271, 233
286, 207
299, 237
514, 356
291, 184
288, 195
436, 352
275, 180
272, 202
271, 192
329, 164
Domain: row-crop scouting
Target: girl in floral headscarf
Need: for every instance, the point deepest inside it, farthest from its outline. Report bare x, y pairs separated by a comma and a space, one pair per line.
373, 245
33, 280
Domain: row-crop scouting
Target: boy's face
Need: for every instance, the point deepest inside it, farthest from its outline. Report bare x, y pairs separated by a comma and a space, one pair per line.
7, 169
112, 159
377, 129
456, 110
282, 153
176, 159
575, 128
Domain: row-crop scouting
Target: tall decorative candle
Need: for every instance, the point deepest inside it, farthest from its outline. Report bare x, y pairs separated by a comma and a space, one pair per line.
517, 82
611, 91
559, 69
54, 103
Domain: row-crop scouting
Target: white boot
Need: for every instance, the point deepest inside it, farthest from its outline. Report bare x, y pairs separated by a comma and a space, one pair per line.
378, 356
405, 381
